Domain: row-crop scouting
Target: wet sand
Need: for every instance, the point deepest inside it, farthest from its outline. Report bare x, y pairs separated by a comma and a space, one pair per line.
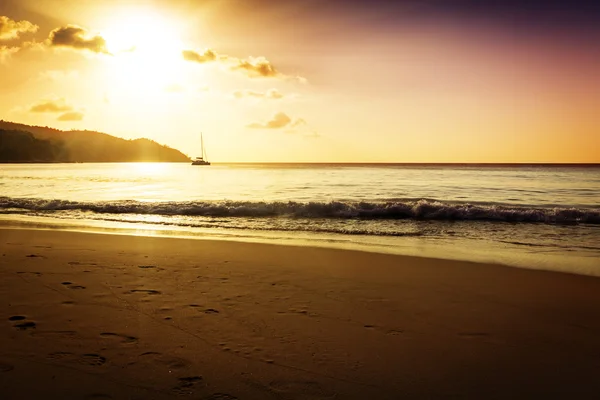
92, 316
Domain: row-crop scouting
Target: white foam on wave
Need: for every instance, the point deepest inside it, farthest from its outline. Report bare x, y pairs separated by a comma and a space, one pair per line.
418, 210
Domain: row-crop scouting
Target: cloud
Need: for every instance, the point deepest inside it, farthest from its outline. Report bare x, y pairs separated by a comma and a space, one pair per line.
278, 121
34, 45
254, 67
298, 122
6, 52
257, 67
68, 113
71, 116
77, 38
10, 29
51, 106
260, 67
207, 55
272, 94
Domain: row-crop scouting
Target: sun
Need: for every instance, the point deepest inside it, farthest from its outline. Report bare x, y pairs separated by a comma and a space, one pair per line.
140, 29
146, 51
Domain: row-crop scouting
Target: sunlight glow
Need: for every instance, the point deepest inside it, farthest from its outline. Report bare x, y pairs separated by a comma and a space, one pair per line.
149, 168
146, 52
141, 29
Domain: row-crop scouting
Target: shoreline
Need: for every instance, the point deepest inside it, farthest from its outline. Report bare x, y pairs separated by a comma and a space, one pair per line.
151, 317
342, 164
489, 253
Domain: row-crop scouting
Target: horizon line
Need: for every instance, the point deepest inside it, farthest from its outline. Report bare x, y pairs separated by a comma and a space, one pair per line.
414, 163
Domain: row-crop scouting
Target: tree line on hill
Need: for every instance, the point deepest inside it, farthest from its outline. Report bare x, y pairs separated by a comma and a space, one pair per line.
24, 143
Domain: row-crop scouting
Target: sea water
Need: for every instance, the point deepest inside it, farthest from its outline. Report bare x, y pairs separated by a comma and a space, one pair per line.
544, 217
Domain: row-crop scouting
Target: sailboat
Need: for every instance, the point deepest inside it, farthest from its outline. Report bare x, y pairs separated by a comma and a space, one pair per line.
202, 159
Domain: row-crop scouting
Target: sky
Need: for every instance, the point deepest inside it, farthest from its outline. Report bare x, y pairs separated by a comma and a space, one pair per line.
313, 81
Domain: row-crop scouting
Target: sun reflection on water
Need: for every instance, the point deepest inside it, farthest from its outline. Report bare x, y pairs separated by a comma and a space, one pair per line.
149, 168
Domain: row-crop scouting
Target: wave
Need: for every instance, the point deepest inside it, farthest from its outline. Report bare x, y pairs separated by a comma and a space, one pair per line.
566, 247
276, 228
417, 210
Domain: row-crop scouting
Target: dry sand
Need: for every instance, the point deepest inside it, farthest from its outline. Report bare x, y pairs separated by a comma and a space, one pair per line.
92, 316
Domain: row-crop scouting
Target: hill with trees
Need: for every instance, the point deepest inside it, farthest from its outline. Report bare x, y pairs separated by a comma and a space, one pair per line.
25, 143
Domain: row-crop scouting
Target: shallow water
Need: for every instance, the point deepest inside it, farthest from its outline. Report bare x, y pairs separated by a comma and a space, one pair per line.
542, 217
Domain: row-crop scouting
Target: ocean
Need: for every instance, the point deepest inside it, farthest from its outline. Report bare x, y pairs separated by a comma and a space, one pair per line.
541, 217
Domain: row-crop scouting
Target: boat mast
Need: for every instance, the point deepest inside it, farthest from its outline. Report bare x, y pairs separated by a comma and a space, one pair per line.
202, 147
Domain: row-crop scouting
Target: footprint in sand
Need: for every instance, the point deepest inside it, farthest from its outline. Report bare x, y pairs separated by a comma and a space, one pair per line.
80, 263
34, 256
186, 385
307, 388
25, 325
71, 286
394, 332
4, 367
122, 338
94, 360
146, 266
206, 311
29, 272
145, 291
16, 318
189, 380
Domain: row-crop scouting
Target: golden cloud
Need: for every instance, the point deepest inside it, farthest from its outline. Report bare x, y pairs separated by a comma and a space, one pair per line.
273, 94
260, 67
207, 55
257, 67
6, 52
77, 38
298, 122
278, 121
51, 106
254, 67
33, 45
71, 116
10, 29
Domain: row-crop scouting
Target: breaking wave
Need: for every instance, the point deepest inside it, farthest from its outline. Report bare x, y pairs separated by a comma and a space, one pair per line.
417, 210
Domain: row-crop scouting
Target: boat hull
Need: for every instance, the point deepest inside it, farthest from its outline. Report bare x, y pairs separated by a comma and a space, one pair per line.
200, 163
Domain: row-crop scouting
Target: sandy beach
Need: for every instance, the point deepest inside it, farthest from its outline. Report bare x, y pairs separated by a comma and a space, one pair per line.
97, 316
